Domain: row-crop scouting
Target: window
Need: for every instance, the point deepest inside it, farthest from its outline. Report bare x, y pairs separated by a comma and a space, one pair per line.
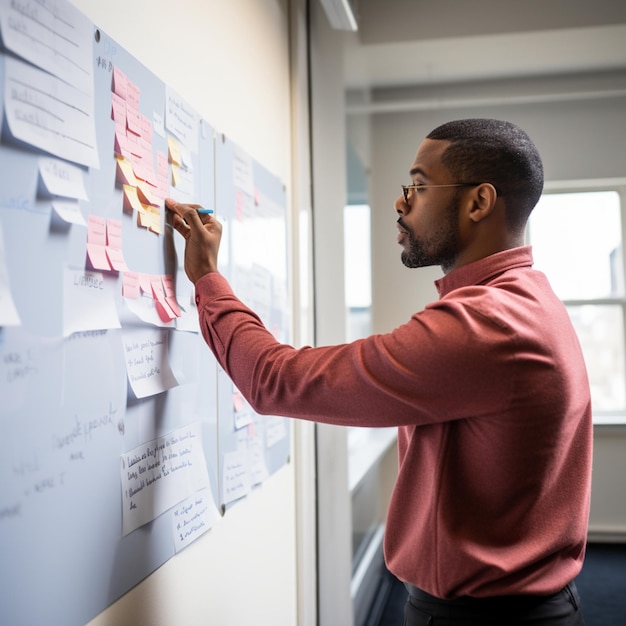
357, 274
577, 243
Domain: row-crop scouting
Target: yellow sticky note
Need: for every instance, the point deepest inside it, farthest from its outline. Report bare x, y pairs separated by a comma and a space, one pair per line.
150, 218
173, 151
131, 199
124, 173
145, 192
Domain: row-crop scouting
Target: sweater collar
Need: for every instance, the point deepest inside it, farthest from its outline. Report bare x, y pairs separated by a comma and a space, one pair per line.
484, 269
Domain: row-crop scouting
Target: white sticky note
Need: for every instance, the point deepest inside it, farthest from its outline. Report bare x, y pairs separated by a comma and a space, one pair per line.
192, 517
62, 178
147, 361
88, 301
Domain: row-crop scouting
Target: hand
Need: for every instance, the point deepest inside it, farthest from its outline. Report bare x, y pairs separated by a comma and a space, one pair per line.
202, 235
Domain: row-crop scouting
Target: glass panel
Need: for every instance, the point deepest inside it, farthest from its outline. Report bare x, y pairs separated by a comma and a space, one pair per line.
577, 243
600, 329
358, 274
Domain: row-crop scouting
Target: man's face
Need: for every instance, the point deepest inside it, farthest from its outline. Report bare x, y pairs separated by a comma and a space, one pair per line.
428, 222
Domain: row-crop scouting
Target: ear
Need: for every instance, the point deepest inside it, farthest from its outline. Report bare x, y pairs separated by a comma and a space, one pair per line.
484, 200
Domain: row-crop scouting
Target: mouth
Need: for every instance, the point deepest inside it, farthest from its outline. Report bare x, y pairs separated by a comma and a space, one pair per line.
403, 233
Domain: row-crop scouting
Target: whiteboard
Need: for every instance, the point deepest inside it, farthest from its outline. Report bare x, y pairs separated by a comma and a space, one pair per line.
254, 256
96, 376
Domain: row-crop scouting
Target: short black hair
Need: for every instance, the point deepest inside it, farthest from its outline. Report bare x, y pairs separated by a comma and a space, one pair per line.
496, 152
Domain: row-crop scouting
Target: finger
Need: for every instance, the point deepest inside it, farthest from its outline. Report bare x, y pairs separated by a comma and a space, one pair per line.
180, 208
179, 224
188, 213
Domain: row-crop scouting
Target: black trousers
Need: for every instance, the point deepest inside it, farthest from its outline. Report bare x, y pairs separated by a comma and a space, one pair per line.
560, 609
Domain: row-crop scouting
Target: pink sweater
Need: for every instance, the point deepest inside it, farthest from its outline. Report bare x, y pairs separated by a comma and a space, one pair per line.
490, 393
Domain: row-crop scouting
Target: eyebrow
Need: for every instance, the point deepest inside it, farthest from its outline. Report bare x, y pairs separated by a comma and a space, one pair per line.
417, 170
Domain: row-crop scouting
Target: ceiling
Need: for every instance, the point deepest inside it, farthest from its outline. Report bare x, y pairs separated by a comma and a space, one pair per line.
403, 43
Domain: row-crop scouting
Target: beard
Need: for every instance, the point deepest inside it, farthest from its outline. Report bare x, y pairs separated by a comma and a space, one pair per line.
438, 248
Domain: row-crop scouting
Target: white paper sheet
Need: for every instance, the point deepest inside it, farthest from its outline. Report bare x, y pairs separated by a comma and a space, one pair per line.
55, 36
235, 475
160, 474
182, 120
61, 124
147, 361
62, 178
193, 517
88, 302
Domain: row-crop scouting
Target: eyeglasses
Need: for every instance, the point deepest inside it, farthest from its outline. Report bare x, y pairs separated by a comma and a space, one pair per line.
407, 188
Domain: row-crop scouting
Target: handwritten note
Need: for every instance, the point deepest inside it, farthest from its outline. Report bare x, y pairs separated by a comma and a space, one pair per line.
161, 473
258, 466
181, 120
33, 29
147, 362
114, 245
48, 113
19, 367
61, 178
96, 243
88, 302
235, 475
193, 517
243, 174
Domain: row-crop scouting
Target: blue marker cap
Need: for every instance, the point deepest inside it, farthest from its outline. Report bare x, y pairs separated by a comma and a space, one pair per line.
205, 211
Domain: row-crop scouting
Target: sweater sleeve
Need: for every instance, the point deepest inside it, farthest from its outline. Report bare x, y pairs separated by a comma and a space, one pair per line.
427, 370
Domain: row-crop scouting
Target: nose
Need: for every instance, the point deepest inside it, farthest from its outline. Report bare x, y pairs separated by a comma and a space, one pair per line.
400, 205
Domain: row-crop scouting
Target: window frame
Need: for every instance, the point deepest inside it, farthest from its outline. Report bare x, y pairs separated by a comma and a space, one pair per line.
617, 185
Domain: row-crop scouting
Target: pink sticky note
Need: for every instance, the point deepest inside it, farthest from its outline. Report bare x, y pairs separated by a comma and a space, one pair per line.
134, 145
170, 294
116, 259
96, 242
161, 168
133, 94
145, 124
145, 283
118, 109
168, 285
238, 401
130, 285
114, 245
165, 312
239, 205
96, 254
162, 189
120, 83
149, 174
96, 230
114, 233
133, 121
121, 146
158, 293
173, 304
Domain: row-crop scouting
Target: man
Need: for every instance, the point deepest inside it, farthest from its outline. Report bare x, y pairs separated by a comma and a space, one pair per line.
488, 518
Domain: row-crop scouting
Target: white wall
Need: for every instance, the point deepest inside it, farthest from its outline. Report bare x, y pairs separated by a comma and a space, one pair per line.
231, 62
